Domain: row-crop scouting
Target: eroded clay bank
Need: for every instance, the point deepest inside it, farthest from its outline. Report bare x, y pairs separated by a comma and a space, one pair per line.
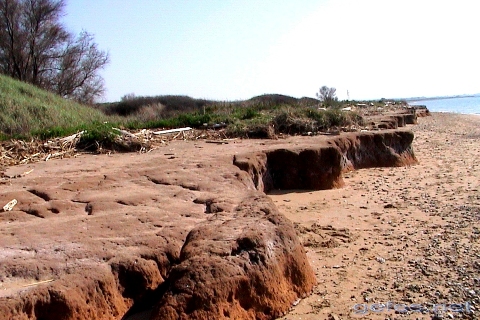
185, 232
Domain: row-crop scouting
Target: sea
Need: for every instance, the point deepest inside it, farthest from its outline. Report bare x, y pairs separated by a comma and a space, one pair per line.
466, 105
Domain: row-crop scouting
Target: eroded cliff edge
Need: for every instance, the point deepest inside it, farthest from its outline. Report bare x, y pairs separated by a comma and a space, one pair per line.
321, 167
182, 234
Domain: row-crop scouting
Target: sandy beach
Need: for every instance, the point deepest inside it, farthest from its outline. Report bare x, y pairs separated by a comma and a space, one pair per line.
102, 236
398, 239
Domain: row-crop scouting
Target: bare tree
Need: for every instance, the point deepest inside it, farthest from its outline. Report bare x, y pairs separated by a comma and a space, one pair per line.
77, 70
328, 96
36, 48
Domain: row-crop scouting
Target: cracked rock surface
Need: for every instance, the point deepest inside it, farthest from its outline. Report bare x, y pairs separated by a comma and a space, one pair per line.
183, 232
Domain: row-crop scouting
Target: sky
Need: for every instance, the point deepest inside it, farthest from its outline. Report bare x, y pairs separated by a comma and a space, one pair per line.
237, 49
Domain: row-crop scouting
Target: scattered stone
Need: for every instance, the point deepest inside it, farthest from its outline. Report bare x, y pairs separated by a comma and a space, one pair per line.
381, 260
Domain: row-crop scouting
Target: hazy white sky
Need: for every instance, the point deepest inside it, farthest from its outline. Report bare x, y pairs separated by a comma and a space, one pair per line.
237, 49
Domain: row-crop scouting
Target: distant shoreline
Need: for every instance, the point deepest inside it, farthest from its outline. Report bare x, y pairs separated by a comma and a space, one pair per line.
455, 113
440, 98
462, 104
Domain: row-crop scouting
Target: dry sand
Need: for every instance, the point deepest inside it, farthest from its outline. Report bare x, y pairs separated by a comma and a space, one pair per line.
406, 235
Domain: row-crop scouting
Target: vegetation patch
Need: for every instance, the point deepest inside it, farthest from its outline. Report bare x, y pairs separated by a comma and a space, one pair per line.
26, 110
259, 117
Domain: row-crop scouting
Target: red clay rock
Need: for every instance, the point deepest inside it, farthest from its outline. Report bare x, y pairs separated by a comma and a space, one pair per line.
76, 296
321, 167
249, 266
394, 120
120, 233
421, 111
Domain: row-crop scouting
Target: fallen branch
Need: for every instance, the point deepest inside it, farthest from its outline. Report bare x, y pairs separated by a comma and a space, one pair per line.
9, 206
56, 154
72, 137
37, 283
125, 133
172, 130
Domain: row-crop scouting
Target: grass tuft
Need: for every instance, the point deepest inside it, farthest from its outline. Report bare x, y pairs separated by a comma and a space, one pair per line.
27, 110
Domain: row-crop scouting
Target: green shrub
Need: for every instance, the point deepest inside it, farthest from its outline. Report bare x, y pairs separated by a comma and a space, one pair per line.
288, 122
248, 113
98, 135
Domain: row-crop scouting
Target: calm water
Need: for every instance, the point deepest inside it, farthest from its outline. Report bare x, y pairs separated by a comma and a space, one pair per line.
459, 105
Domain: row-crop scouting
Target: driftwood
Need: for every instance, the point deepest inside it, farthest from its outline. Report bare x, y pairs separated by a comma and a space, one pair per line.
72, 138
9, 206
216, 141
172, 130
37, 283
14, 152
126, 133
56, 154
